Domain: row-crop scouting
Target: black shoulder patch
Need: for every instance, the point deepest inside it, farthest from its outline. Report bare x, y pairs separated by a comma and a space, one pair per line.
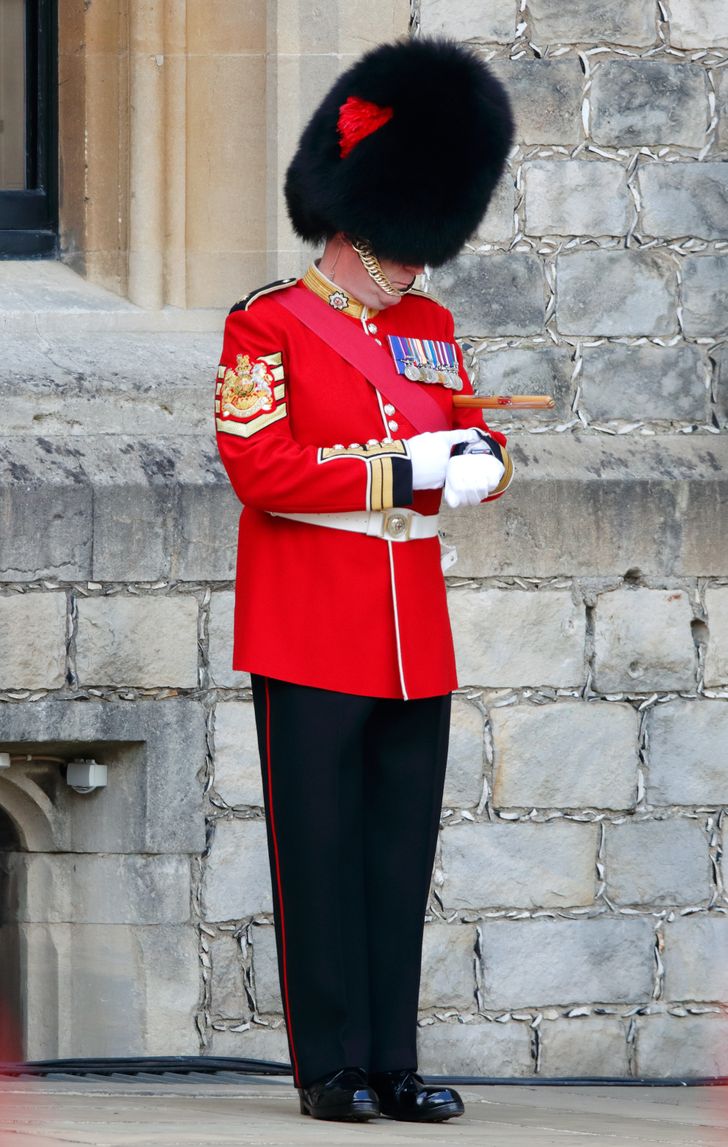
248, 301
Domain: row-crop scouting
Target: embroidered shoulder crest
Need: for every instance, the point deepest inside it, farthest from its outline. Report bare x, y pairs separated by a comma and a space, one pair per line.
251, 395
247, 302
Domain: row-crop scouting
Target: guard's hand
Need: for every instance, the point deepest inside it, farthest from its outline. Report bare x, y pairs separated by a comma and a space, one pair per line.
430, 455
471, 477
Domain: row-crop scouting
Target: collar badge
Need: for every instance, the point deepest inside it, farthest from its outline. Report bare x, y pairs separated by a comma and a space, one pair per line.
338, 300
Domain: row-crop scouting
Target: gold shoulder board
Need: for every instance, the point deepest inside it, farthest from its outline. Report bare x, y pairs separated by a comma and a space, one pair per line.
247, 302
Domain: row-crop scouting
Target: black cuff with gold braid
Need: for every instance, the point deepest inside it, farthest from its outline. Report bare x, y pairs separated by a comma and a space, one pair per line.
389, 478
402, 492
507, 475
488, 445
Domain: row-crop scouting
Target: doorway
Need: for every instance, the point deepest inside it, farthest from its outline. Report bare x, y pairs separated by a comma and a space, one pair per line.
28, 118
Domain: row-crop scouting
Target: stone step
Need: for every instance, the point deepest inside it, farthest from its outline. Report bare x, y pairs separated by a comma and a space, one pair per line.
47, 297
142, 383
124, 507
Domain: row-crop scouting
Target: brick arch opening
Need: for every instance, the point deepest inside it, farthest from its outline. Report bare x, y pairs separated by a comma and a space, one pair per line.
11, 996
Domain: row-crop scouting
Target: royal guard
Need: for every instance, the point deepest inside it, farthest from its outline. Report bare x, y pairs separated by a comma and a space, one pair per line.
337, 426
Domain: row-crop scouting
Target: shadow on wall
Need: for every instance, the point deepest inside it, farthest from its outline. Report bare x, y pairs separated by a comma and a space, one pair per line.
11, 1048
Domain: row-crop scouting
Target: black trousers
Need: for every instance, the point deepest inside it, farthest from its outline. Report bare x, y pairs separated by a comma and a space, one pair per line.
353, 794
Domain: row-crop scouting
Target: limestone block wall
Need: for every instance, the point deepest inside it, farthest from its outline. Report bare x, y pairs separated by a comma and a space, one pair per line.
578, 912
587, 871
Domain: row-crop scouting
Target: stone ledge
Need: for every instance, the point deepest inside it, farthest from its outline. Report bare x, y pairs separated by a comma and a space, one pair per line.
45, 297
586, 506
146, 383
121, 508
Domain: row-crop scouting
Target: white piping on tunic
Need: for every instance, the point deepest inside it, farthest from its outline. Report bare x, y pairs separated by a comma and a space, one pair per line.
396, 622
385, 422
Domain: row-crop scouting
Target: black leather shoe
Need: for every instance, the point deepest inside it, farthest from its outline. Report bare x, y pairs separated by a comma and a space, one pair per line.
403, 1095
343, 1095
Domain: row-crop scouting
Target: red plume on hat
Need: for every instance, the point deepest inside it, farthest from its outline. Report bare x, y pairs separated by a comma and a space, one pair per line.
404, 151
358, 119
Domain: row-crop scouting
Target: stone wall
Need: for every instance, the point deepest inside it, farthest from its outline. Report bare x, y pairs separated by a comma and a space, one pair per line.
576, 908
578, 913
581, 862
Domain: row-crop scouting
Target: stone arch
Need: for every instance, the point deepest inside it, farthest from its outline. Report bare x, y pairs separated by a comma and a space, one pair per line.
27, 825
108, 950
31, 812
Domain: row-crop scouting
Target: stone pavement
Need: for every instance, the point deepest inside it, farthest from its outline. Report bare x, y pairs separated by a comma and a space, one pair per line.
264, 1112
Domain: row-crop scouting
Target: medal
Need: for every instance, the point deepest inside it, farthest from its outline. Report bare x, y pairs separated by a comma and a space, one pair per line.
427, 374
426, 360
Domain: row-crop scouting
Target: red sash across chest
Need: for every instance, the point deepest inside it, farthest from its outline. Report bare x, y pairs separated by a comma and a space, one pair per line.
349, 341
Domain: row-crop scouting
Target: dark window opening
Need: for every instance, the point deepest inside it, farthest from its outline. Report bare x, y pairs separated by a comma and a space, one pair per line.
28, 128
9, 838
11, 1007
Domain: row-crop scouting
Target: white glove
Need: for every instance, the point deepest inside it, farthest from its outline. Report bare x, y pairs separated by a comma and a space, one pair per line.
471, 477
430, 455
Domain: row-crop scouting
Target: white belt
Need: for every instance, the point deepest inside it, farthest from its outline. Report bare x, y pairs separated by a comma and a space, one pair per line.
393, 525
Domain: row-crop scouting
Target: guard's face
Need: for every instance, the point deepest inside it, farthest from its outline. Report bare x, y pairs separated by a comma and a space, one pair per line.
400, 275
344, 266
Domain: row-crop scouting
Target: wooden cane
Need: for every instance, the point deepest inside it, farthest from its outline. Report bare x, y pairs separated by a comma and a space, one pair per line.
495, 401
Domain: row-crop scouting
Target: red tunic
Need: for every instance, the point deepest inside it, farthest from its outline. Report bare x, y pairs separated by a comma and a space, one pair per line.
318, 606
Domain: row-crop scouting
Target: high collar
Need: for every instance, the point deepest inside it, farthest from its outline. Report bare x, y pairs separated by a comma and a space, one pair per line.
337, 298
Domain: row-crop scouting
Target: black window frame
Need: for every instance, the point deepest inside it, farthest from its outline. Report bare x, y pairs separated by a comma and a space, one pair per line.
29, 218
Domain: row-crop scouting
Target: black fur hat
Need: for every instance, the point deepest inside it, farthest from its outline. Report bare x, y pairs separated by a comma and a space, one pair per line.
404, 151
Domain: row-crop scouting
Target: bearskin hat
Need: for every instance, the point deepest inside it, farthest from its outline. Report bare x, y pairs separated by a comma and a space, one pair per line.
404, 151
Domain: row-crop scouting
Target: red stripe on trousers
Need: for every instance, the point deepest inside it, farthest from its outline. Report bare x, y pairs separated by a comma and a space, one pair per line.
280, 888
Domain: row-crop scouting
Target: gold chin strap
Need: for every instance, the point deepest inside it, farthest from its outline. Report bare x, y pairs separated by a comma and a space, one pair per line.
372, 266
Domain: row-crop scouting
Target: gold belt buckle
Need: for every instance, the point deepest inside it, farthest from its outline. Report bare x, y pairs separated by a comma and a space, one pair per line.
397, 524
